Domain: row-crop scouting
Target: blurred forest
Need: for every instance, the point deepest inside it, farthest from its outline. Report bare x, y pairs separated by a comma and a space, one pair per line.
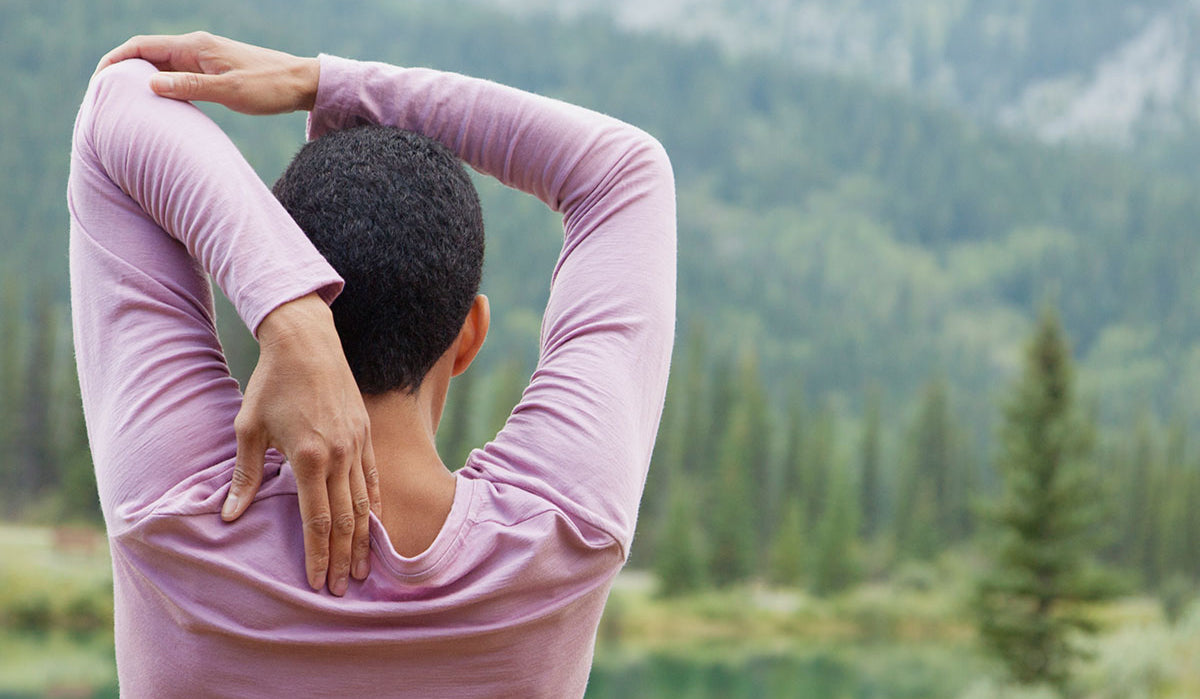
860, 272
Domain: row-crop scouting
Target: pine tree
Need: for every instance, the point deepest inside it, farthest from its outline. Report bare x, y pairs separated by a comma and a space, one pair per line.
927, 513
734, 544
38, 467
1171, 554
1143, 508
834, 564
870, 484
756, 454
792, 466
679, 561
789, 548
817, 462
508, 383
1047, 522
455, 434
11, 393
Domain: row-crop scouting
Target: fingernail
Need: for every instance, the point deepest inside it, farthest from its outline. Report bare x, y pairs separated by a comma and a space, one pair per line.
230, 507
162, 83
361, 569
339, 587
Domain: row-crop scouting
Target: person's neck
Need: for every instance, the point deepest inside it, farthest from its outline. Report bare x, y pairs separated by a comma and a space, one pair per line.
415, 487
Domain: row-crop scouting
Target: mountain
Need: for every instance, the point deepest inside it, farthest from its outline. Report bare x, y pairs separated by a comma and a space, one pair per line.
848, 233
1110, 71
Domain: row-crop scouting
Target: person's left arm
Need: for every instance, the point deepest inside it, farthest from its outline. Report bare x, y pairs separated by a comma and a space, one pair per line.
158, 196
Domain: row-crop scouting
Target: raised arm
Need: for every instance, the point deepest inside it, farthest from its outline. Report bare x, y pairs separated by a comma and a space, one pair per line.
584, 430
158, 194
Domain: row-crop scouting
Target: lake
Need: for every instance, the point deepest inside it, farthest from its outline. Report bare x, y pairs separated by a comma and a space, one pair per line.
61, 665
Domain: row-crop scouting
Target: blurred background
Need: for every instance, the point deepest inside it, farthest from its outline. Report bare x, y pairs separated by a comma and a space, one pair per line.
932, 422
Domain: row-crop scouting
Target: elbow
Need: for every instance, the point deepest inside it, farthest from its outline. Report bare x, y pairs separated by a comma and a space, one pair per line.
650, 158
126, 78
113, 94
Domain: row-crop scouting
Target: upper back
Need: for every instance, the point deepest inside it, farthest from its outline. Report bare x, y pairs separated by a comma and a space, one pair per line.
505, 602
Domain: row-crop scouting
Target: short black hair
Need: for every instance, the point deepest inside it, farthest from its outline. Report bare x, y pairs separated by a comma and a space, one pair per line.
397, 216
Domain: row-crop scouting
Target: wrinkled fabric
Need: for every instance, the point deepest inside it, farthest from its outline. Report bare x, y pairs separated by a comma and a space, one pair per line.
507, 599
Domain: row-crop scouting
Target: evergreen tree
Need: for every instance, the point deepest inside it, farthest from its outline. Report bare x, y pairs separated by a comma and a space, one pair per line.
701, 413
734, 544
789, 547
1047, 522
870, 483
679, 561
38, 467
834, 565
455, 435
756, 454
819, 440
508, 383
78, 498
1172, 557
924, 510
1192, 522
11, 393
1141, 531
792, 466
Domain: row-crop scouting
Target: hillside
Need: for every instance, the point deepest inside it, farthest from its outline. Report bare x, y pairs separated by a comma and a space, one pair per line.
1109, 71
852, 235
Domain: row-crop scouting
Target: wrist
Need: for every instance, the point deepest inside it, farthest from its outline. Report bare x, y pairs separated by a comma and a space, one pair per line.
307, 74
297, 320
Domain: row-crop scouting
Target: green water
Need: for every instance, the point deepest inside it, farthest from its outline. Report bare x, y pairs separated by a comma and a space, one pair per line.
885, 672
62, 665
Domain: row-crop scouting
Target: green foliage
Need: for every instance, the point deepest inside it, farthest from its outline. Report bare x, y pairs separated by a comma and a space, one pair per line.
850, 237
680, 559
870, 479
933, 505
1176, 594
454, 436
834, 559
734, 544
1047, 520
789, 551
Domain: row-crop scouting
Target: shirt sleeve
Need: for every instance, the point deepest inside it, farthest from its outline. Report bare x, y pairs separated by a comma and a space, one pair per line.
582, 434
158, 197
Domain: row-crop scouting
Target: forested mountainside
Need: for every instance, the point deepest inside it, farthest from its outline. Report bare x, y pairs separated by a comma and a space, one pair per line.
851, 235
1109, 70
859, 272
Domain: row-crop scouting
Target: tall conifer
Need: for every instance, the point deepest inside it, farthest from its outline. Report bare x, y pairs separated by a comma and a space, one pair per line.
1047, 522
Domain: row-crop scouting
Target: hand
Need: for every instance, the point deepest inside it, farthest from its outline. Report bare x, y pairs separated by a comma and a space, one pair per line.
245, 78
303, 401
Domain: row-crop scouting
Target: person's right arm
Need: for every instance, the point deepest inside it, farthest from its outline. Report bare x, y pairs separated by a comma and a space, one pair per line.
584, 429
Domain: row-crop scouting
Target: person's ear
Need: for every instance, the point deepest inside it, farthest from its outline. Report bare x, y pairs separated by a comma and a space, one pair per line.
472, 334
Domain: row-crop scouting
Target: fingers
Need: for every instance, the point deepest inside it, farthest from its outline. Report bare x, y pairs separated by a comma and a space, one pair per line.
247, 472
165, 52
360, 547
342, 535
316, 521
188, 86
371, 476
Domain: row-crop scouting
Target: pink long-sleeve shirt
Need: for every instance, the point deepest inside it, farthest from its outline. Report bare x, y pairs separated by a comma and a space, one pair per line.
506, 600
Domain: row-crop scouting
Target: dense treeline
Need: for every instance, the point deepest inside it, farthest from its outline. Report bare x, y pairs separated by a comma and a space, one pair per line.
802, 496
857, 274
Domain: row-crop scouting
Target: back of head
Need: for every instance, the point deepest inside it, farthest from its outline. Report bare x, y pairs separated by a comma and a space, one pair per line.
396, 215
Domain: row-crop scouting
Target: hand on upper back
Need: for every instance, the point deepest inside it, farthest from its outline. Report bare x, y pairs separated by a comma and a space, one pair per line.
245, 78
302, 400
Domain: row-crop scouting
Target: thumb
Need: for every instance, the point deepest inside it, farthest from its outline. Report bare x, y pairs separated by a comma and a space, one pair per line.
182, 86
247, 476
